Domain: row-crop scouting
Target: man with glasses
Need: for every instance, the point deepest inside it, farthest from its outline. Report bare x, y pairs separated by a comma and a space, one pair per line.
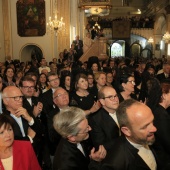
105, 127
25, 126
47, 97
61, 101
72, 152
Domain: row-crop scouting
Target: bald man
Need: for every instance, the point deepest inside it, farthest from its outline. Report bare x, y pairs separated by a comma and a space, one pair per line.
133, 151
105, 127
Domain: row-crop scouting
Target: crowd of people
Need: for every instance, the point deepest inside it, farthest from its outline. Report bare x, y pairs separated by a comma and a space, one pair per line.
93, 115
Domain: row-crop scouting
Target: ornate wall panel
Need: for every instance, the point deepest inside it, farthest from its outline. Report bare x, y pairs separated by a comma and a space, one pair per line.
64, 36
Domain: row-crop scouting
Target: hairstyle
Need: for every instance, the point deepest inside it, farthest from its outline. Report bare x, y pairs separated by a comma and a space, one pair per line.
63, 79
78, 76
67, 120
122, 112
39, 79
26, 78
6, 120
5, 71
124, 79
51, 74
97, 75
101, 92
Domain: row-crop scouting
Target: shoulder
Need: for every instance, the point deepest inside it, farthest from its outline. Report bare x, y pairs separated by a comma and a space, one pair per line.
22, 143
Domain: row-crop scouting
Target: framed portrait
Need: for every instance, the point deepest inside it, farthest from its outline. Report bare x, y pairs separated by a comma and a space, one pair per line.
31, 18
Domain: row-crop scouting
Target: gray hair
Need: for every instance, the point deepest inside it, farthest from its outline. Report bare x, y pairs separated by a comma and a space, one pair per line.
67, 120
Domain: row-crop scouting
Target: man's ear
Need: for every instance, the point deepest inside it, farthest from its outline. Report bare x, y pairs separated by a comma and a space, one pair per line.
126, 131
102, 101
71, 138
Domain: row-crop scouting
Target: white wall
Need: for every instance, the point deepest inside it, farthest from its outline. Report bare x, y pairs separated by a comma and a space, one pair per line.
44, 42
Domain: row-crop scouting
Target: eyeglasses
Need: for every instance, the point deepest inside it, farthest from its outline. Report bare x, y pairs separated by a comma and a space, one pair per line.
86, 131
132, 82
111, 97
16, 98
28, 87
60, 95
54, 79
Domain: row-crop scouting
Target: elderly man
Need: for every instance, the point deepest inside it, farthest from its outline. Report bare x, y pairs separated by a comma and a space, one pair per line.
61, 101
71, 153
133, 152
105, 127
25, 127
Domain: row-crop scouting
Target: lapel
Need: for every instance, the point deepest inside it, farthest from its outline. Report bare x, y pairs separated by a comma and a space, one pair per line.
139, 163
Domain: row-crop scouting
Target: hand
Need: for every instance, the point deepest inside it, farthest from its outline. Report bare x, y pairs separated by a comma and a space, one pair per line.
96, 106
31, 133
37, 109
98, 155
23, 112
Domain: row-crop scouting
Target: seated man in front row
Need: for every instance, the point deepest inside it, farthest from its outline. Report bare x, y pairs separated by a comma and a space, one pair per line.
71, 153
133, 152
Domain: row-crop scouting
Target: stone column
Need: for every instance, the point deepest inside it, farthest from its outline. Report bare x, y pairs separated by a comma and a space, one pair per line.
6, 27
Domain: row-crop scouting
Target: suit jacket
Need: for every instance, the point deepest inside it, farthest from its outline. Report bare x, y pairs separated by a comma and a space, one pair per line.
123, 156
47, 100
23, 157
162, 142
54, 137
161, 77
69, 157
104, 129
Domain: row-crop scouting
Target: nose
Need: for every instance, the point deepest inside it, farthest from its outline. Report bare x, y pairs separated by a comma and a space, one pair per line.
153, 129
89, 128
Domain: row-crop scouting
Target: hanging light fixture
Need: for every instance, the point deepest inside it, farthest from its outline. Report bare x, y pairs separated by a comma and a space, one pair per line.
54, 25
150, 40
166, 37
96, 27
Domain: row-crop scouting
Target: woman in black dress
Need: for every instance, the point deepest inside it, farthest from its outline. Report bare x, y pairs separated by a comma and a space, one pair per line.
82, 98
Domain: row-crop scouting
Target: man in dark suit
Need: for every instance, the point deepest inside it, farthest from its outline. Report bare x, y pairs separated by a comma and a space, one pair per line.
78, 47
47, 97
165, 74
34, 108
26, 126
71, 153
61, 101
133, 151
105, 127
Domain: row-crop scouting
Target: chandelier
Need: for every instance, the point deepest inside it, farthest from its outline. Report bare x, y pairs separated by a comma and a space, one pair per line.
150, 40
54, 25
96, 27
166, 37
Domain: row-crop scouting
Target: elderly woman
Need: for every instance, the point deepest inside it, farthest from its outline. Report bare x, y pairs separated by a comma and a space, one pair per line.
15, 155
